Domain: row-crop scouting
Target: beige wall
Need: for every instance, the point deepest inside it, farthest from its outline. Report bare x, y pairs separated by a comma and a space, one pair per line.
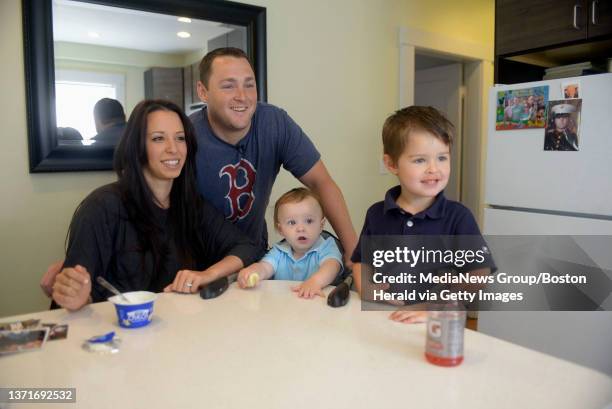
332, 65
340, 81
467, 20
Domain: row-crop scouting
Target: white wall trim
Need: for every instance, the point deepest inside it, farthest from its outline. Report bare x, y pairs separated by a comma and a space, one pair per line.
406, 75
445, 44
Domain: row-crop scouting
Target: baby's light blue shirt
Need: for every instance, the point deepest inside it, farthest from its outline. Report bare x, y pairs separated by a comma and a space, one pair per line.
286, 267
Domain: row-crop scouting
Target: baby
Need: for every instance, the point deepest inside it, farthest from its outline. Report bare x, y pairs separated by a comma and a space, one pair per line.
304, 255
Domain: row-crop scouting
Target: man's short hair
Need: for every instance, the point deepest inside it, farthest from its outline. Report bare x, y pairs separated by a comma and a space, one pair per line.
209, 58
295, 196
108, 110
397, 128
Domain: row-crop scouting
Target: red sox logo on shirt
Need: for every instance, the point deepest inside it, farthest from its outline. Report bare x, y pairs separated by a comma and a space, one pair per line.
236, 192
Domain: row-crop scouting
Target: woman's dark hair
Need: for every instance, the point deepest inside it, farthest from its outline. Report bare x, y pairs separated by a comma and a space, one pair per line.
129, 160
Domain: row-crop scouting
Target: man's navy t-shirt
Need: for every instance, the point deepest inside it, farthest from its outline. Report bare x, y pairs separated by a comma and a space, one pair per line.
237, 179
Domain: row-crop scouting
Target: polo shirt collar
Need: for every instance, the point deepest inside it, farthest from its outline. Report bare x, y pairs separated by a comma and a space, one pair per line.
284, 246
435, 211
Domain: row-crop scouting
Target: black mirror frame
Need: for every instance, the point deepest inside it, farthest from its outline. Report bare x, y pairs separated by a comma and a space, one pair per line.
45, 153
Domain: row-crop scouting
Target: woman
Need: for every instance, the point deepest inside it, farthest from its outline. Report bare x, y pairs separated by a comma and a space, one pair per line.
150, 230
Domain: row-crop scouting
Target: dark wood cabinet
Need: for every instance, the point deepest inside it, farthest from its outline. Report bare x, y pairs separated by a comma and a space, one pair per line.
532, 35
166, 83
235, 38
191, 76
600, 18
526, 25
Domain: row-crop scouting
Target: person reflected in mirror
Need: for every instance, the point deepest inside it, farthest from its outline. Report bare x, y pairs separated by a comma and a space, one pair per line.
68, 136
304, 254
150, 230
109, 118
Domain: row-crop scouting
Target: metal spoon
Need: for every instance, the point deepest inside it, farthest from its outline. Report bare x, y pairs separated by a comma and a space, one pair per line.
112, 289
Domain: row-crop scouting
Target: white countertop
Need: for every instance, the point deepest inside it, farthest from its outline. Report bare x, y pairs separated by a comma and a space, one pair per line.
267, 348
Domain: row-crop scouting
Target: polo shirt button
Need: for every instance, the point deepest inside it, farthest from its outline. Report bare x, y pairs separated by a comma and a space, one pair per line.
409, 223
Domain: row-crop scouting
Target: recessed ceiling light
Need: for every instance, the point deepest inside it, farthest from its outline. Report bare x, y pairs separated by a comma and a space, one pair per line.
183, 34
184, 19
93, 34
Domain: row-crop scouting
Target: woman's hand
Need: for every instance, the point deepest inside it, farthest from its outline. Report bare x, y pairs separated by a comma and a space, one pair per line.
48, 279
190, 281
72, 288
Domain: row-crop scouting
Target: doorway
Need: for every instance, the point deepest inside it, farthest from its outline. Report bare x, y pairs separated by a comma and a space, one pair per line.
474, 61
438, 82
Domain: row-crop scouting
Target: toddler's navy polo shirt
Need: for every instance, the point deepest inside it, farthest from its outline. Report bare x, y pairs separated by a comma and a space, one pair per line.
443, 217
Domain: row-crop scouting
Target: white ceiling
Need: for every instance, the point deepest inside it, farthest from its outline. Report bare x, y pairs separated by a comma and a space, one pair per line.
131, 29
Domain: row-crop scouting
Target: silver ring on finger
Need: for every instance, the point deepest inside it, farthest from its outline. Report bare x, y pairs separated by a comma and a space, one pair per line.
188, 284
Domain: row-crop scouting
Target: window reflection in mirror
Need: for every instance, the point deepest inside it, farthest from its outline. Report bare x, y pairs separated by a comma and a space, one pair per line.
110, 58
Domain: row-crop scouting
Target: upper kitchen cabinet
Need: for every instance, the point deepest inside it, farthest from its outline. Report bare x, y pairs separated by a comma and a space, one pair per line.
533, 35
236, 38
600, 18
526, 25
164, 83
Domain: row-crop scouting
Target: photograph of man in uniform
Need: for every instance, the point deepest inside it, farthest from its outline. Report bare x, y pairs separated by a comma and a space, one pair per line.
562, 126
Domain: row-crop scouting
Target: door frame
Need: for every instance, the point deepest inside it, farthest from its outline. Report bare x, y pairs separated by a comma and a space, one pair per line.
453, 107
478, 77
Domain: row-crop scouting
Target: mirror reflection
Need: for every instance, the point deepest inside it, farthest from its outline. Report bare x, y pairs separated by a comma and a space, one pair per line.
107, 59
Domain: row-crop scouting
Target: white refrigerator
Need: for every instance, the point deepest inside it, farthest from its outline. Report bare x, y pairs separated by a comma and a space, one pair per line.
533, 191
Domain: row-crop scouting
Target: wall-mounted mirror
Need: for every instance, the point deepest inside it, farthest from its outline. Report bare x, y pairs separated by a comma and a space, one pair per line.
88, 63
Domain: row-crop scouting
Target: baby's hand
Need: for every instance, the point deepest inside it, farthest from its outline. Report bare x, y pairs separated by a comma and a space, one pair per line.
248, 277
408, 316
308, 289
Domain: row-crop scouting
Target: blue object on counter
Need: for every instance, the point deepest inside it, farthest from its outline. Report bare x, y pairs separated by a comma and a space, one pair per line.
102, 338
138, 313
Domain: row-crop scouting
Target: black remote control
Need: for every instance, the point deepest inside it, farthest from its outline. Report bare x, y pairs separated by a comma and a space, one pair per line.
214, 289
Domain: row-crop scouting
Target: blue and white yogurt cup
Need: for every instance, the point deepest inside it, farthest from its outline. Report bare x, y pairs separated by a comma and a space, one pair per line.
138, 312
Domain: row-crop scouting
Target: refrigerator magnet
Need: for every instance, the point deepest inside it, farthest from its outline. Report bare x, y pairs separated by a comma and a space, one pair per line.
563, 125
571, 89
521, 108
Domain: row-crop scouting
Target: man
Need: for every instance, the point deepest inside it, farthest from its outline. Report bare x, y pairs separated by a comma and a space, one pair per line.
561, 138
241, 146
110, 121
243, 143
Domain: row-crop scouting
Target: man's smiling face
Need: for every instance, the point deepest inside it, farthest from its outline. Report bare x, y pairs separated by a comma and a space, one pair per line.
231, 95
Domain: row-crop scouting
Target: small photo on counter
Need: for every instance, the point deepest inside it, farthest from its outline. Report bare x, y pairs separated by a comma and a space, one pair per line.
23, 340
